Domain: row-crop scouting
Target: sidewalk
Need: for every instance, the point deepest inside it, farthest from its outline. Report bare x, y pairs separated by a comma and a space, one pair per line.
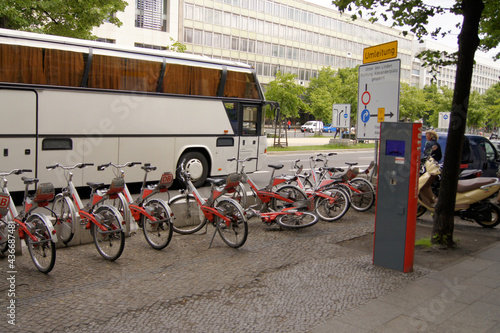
463, 297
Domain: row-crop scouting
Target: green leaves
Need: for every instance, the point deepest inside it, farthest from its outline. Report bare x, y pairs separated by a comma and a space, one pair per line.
70, 18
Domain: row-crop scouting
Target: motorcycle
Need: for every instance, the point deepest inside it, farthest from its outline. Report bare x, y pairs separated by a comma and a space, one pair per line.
472, 202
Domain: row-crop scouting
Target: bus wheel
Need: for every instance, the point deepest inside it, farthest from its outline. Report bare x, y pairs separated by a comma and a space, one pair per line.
196, 164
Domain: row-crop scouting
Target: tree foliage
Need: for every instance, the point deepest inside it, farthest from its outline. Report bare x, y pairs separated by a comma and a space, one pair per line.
332, 87
70, 18
287, 93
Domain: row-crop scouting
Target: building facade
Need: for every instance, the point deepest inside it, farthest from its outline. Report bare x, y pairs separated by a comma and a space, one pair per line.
291, 36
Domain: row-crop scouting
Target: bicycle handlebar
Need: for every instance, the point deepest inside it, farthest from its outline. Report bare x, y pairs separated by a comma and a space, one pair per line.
15, 172
244, 160
117, 166
70, 167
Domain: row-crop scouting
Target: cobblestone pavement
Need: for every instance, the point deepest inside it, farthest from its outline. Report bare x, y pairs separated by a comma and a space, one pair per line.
279, 281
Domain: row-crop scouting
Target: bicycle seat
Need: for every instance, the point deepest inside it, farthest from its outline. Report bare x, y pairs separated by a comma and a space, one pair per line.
276, 166
333, 169
216, 181
29, 180
351, 163
95, 186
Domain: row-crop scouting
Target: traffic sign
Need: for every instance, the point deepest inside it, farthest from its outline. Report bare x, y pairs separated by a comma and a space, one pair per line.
380, 52
341, 115
444, 120
378, 97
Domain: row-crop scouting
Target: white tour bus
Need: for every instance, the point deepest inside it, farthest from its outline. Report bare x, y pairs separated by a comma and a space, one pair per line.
68, 100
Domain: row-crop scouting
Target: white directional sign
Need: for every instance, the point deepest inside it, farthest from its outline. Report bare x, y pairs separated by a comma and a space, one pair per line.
341, 115
378, 97
444, 119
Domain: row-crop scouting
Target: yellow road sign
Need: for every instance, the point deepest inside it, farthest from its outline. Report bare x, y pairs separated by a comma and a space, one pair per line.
381, 115
380, 52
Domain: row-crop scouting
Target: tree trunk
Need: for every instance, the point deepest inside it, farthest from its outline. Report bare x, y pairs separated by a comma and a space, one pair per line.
468, 41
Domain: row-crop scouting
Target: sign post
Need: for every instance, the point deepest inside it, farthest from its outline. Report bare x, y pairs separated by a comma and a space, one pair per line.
341, 115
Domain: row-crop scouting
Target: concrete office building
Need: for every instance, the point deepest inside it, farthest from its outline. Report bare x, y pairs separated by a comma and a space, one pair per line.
486, 71
291, 36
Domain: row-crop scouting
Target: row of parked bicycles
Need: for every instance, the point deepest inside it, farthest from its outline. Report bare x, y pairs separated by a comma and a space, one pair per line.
296, 200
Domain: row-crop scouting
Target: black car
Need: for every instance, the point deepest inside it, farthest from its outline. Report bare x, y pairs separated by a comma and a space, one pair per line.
477, 153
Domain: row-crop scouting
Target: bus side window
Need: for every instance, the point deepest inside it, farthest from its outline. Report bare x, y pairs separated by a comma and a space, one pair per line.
57, 144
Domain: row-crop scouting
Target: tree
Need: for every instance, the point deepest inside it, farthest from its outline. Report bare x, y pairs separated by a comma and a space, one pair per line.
287, 93
492, 101
332, 87
70, 18
438, 100
412, 102
480, 19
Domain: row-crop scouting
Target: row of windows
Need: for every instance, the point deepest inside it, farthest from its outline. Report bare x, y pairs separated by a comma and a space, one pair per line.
276, 9
34, 65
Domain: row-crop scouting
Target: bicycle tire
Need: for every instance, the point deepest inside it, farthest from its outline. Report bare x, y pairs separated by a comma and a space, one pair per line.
235, 234
109, 245
363, 200
297, 220
157, 233
187, 215
65, 218
4, 236
332, 207
42, 252
291, 192
119, 202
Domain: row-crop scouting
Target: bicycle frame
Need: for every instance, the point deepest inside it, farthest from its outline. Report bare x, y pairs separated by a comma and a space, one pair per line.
28, 207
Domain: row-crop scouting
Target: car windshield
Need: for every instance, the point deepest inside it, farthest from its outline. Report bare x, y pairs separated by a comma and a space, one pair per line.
308, 123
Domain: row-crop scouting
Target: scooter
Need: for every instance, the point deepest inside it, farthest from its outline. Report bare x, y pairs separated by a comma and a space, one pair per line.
472, 202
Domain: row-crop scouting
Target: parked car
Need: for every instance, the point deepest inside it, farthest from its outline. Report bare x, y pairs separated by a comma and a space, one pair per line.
328, 128
312, 126
477, 153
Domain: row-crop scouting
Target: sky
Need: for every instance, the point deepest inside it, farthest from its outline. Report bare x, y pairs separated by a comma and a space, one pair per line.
447, 22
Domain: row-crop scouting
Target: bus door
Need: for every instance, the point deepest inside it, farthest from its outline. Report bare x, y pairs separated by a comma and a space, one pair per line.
252, 129
18, 133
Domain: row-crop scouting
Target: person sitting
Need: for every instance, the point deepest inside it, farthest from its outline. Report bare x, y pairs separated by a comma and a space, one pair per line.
432, 147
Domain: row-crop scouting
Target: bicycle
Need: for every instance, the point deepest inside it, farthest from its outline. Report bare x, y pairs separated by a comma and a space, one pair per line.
330, 202
153, 215
191, 212
289, 217
34, 228
103, 221
269, 197
360, 190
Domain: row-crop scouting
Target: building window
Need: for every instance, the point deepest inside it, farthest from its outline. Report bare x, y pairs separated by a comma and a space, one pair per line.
150, 15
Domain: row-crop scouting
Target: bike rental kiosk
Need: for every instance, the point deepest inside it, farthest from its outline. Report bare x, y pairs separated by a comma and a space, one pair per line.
397, 194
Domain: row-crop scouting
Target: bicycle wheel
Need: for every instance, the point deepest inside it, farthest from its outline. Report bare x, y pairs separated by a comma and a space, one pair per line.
297, 220
362, 194
188, 217
109, 243
157, 233
4, 237
119, 202
43, 251
239, 195
235, 234
334, 206
291, 193
65, 215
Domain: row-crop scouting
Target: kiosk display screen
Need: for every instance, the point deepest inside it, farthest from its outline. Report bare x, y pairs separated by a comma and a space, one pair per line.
395, 148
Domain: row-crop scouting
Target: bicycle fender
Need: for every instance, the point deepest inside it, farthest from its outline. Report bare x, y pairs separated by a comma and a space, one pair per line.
48, 224
127, 214
74, 212
116, 212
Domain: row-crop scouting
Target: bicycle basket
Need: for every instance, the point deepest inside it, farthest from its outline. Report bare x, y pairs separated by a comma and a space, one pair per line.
232, 181
44, 193
117, 186
4, 204
166, 181
352, 173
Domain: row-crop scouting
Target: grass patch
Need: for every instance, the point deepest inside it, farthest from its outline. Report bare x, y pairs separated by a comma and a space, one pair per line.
424, 242
323, 147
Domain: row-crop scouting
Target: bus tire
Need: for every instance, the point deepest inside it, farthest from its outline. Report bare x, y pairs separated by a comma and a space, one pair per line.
196, 164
